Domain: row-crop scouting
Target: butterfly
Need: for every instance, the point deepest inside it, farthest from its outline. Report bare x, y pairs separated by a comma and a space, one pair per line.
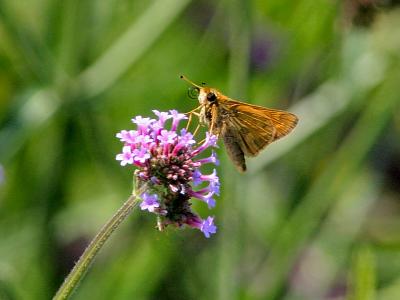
245, 129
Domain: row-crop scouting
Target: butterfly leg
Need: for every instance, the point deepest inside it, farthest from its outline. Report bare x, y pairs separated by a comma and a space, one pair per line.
213, 120
191, 113
188, 122
190, 119
196, 130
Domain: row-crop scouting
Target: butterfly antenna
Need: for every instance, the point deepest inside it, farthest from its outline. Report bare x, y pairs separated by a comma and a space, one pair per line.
189, 81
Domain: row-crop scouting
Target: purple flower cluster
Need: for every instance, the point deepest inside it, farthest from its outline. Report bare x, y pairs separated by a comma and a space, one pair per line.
166, 165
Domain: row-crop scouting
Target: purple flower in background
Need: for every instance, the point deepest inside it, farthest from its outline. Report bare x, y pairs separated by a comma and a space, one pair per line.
167, 165
264, 50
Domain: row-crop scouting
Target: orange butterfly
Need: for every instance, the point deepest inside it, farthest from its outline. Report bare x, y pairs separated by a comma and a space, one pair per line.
245, 128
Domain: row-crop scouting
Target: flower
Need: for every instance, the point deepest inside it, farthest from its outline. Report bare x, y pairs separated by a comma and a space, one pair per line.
176, 118
126, 157
162, 117
127, 136
169, 169
150, 202
142, 123
212, 159
208, 227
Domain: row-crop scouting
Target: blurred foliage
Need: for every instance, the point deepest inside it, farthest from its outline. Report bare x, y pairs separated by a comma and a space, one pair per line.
317, 215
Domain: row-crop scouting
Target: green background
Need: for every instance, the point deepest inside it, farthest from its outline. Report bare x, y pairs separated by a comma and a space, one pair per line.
315, 217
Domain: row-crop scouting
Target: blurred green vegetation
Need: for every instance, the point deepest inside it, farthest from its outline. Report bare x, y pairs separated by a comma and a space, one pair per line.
316, 216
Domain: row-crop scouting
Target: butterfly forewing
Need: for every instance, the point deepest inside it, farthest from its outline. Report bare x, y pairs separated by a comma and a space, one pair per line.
257, 126
283, 121
251, 137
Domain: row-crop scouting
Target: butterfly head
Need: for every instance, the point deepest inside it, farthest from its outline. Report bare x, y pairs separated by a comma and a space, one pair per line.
205, 95
208, 95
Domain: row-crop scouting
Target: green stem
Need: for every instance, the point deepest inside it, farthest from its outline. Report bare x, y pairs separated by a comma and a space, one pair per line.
71, 282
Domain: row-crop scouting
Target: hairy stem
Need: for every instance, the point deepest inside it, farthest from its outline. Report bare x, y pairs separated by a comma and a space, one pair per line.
84, 262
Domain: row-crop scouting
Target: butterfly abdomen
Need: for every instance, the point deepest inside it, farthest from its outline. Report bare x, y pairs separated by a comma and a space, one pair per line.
234, 151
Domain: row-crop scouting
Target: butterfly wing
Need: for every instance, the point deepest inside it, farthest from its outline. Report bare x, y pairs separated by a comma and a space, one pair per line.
233, 146
254, 126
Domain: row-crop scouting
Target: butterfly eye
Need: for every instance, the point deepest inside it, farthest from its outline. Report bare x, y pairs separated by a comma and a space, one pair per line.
193, 92
211, 97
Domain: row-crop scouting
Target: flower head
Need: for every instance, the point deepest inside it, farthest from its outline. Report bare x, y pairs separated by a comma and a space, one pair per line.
168, 167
